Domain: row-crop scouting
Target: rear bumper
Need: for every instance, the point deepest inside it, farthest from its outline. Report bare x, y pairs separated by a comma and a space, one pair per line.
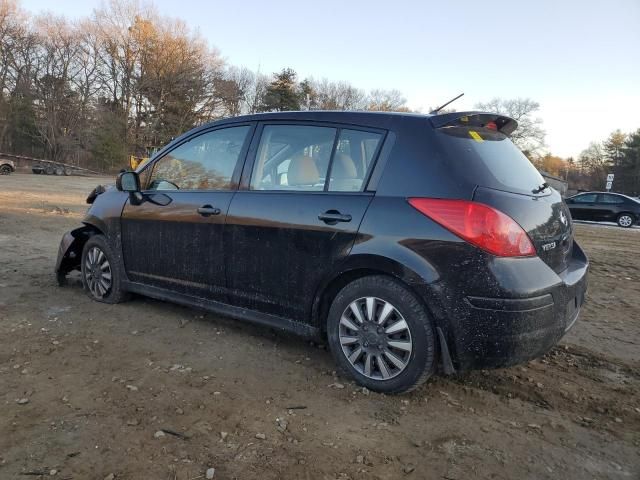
489, 332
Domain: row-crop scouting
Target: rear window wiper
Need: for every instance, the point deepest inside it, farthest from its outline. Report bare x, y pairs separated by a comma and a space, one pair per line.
540, 189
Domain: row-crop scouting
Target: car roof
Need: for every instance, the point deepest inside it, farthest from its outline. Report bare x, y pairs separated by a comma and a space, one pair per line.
383, 120
364, 118
607, 193
595, 191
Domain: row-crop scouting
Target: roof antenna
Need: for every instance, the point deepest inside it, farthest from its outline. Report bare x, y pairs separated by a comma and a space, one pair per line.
442, 106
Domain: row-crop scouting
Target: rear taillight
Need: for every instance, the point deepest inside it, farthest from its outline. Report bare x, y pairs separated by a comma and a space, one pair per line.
479, 224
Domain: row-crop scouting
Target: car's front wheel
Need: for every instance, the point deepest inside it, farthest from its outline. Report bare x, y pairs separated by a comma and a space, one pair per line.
100, 275
381, 335
625, 220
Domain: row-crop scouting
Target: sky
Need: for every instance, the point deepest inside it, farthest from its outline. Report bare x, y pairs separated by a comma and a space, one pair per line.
580, 60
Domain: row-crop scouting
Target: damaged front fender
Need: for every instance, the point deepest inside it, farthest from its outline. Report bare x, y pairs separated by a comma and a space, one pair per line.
70, 251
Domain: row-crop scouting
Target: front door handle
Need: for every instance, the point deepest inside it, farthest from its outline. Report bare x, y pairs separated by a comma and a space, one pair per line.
208, 210
331, 217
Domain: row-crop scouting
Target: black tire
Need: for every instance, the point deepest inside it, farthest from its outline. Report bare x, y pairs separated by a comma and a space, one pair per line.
59, 170
5, 169
420, 363
114, 292
48, 170
625, 220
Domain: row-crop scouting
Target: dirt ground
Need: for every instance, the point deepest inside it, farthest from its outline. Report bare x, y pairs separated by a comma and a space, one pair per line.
85, 387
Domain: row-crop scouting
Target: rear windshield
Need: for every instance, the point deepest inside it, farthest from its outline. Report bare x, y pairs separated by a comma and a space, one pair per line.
491, 157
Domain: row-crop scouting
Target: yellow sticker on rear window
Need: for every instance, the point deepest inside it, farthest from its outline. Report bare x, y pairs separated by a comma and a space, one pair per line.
476, 136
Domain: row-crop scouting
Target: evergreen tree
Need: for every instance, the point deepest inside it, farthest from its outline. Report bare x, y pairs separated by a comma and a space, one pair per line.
282, 93
613, 148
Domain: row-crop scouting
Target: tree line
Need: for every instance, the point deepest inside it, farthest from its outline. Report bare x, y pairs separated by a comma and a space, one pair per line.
126, 80
618, 154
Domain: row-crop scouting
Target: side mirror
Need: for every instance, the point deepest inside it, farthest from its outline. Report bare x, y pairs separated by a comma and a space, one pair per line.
128, 182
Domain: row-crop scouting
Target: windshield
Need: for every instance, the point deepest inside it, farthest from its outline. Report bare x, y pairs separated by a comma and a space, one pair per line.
492, 158
637, 200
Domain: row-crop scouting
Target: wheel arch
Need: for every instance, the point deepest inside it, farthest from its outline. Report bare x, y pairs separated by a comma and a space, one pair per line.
425, 287
86, 231
359, 266
70, 252
634, 217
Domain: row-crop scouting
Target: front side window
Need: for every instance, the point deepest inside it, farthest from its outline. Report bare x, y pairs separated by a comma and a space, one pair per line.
206, 162
293, 157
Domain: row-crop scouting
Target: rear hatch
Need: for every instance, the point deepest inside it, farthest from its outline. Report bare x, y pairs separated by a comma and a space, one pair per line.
480, 147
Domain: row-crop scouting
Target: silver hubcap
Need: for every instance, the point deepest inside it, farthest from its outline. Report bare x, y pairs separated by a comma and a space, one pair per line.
97, 272
625, 221
375, 338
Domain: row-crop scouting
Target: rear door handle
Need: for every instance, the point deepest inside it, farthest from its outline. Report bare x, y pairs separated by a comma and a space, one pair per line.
208, 210
331, 217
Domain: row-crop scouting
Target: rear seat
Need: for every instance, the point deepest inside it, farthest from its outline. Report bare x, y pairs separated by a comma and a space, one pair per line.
344, 175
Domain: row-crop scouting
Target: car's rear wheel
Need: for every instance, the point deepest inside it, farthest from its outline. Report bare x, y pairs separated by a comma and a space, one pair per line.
5, 169
625, 220
100, 274
381, 335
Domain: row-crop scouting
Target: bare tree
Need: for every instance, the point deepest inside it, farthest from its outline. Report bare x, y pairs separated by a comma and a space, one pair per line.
327, 95
177, 77
57, 103
529, 136
13, 30
256, 90
594, 161
386, 101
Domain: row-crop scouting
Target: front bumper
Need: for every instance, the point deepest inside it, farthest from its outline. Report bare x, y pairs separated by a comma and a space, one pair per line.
69, 252
500, 332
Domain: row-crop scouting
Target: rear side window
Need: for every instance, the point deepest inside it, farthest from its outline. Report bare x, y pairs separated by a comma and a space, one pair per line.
606, 198
293, 157
352, 161
314, 158
491, 157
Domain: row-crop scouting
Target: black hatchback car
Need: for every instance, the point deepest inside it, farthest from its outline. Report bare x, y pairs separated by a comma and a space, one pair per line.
605, 206
412, 243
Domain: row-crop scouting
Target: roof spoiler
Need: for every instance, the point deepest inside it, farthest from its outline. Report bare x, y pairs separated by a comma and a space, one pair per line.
504, 124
